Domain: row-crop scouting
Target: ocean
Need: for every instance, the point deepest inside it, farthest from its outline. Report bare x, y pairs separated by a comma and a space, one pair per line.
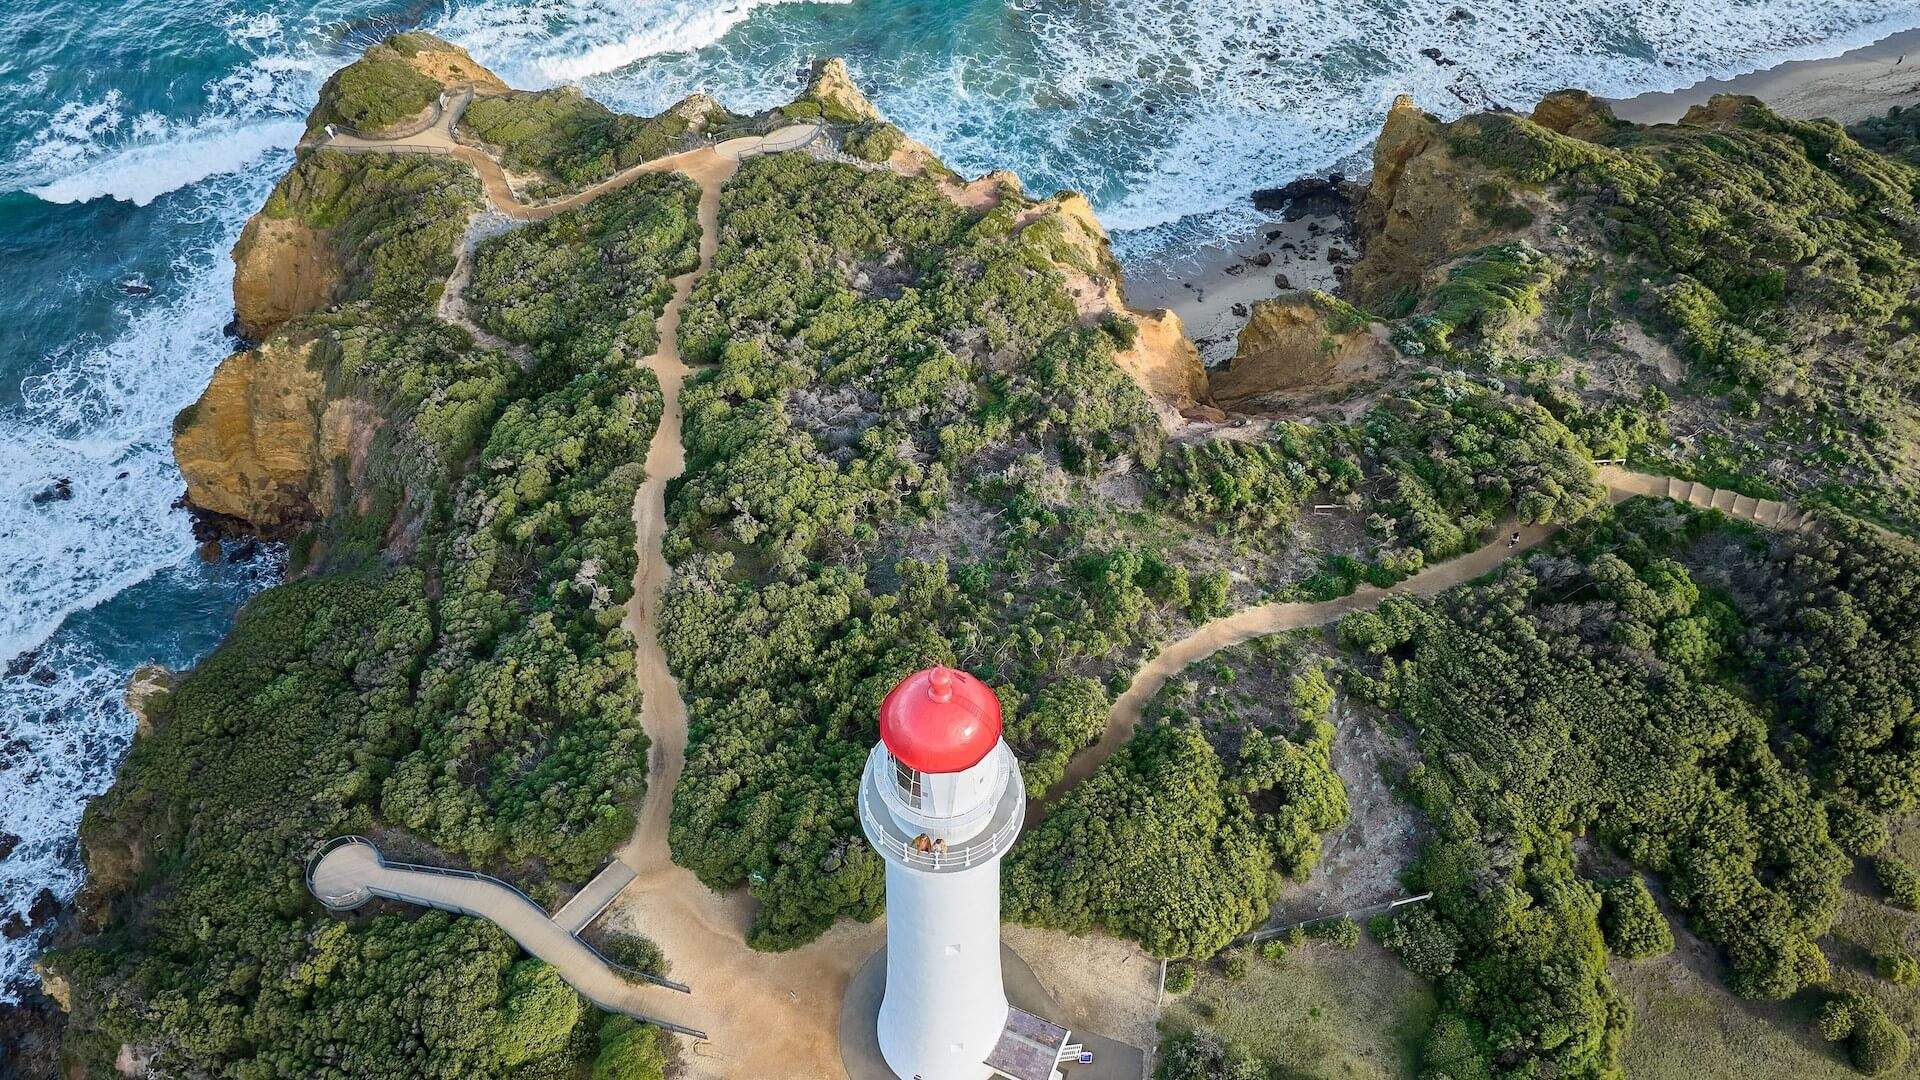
137, 135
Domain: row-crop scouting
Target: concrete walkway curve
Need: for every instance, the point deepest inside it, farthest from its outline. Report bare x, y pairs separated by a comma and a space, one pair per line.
350, 871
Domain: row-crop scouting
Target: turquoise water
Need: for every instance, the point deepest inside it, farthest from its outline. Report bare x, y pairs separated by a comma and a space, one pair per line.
137, 135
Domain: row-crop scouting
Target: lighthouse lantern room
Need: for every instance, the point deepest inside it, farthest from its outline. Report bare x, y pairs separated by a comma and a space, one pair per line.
941, 800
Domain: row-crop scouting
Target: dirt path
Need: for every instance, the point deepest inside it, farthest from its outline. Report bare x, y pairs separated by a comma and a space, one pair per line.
777, 1014
1248, 623
766, 1014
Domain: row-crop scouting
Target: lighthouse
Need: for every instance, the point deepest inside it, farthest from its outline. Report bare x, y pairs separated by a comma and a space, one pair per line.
941, 800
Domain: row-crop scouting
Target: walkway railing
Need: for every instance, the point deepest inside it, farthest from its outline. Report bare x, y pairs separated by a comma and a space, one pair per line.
353, 899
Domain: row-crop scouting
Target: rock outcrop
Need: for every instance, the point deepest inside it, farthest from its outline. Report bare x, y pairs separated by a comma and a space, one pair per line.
147, 690
1418, 208
261, 442
832, 87
1156, 354
282, 268
1298, 343
1576, 113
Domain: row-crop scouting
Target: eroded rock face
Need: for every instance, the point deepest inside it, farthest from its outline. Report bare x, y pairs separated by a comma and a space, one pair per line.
146, 689
1576, 113
446, 63
282, 268
832, 85
1418, 210
252, 447
1298, 342
1160, 358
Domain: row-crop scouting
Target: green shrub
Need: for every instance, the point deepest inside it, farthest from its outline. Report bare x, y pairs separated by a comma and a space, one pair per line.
1233, 964
630, 1050
1181, 976
874, 141
1897, 967
1631, 921
1342, 933
1898, 880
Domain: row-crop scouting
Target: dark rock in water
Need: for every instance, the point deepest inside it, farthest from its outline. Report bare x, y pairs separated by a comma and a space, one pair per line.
209, 551
1439, 57
1309, 196
1289, 246
45, 676
45, 907
1458, 15
244, 551
23, 663
8, 842
59, 491
122, 475
1241, 310
1264, 259
1336, 255
1314, 229
232, 330
1282, 281
1236, 270
136, 287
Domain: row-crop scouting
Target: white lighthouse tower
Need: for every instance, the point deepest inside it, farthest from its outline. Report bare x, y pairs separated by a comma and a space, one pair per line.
942, 800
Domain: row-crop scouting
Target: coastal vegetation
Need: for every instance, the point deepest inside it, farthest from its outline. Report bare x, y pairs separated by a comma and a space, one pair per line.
570, 138
450, 673
908, 440
887, 371
1178, 839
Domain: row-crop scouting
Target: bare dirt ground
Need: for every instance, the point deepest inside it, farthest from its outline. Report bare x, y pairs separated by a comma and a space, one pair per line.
1361, 862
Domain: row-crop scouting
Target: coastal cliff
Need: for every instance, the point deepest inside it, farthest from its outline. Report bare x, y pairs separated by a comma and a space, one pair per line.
921, 424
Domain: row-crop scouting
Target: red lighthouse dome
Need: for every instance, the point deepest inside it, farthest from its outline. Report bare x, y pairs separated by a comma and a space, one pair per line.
940, 720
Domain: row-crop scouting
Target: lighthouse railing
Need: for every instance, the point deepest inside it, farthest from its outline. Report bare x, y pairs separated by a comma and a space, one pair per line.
986, 845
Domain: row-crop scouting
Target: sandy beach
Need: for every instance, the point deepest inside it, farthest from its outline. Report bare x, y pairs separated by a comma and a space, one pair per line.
1214, 291
1847, 88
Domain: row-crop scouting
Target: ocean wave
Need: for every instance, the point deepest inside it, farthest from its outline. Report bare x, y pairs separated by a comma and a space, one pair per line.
144, 171
102, 147
68, 727
97, 414
540, 43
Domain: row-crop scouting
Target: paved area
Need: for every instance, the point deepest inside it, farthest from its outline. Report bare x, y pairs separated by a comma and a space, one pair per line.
593, 898
860, 1012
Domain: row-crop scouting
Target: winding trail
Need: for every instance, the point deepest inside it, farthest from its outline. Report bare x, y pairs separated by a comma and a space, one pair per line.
1249, 623
772, 1014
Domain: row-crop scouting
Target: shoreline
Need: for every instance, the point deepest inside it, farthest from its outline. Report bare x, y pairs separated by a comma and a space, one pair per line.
1849, 87
1214, 288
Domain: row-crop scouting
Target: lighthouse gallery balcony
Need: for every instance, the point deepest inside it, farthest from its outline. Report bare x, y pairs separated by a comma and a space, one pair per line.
881, 816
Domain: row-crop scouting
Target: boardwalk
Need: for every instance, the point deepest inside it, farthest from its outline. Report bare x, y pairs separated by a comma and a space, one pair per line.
352, 872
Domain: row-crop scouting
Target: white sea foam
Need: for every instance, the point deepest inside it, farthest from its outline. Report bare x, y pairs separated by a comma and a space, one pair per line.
143, 171
99, 148
96, 414
539, 43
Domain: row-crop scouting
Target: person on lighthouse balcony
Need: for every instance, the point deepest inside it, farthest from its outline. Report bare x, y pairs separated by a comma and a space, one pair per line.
942, 801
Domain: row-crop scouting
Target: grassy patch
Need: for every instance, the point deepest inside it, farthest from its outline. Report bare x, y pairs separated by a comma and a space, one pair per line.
1319, 1012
